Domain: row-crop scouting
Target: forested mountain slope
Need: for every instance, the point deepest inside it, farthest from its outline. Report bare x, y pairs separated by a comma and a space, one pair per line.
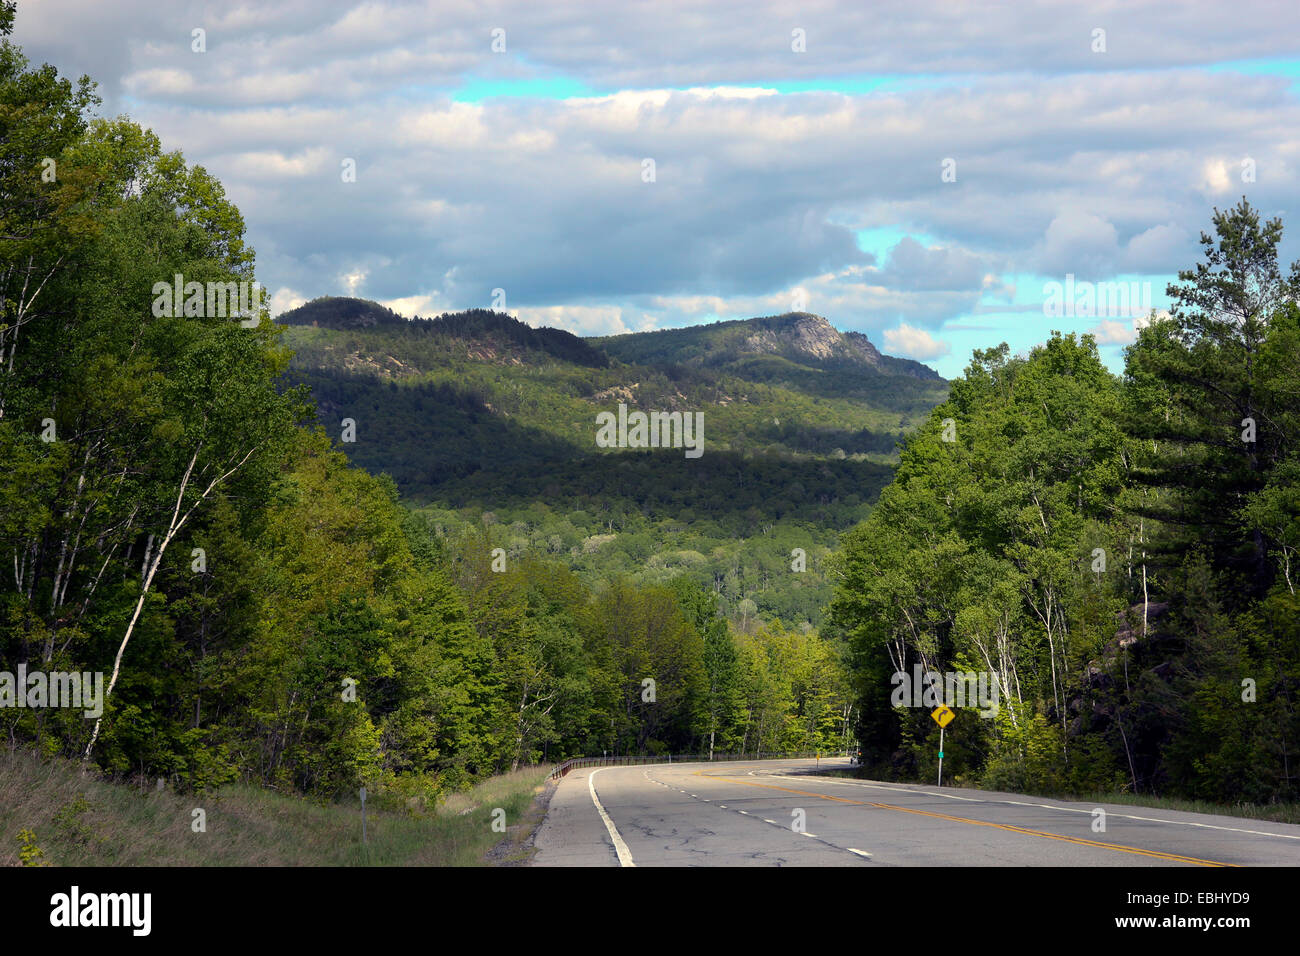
482, 419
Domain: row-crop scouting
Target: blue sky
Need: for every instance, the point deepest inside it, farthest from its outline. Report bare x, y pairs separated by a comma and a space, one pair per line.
798, 158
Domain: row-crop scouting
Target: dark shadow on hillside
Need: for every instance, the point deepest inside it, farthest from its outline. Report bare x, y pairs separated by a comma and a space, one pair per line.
426, 435
739, 492
441, 445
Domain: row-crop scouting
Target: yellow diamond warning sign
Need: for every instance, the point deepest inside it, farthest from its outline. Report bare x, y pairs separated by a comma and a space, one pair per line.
943, 715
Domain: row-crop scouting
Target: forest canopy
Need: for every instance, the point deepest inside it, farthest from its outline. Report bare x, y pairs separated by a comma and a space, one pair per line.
1118, 552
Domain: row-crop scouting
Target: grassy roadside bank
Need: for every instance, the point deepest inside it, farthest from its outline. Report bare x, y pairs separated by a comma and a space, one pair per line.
1275, 813
48, 805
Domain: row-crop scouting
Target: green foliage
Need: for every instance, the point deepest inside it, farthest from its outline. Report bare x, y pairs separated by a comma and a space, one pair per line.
1112, 552
427, 339
29, 854
68, 821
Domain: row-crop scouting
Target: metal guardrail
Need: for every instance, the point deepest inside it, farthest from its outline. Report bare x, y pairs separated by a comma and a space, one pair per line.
573, 763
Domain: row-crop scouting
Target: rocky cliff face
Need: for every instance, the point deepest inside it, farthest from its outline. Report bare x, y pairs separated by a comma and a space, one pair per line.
857, 342
802, 334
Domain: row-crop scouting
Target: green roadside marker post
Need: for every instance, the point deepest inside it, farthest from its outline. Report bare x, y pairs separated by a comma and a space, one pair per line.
943, 716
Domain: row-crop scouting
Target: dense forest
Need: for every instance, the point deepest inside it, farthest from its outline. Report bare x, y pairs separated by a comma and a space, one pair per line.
1118, 553
172, 517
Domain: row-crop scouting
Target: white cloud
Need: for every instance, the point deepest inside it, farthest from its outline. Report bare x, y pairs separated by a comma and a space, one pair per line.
914, 343
272, 164
1157, 248
352, 281
163, 82
1110, 332
584, 320
1215, 178
1079, 243
1142, 321
412, 305
282, 300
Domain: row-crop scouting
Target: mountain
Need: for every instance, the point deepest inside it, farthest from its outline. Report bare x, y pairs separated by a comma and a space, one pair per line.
798, 352
489, 425
798, 337
443, 403
478, 333
341, 312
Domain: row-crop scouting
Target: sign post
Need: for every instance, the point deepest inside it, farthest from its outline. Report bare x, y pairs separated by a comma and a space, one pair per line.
363, 816
940, 783
943, 716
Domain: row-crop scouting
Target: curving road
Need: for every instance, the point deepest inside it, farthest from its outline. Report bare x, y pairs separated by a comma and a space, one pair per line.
749, 814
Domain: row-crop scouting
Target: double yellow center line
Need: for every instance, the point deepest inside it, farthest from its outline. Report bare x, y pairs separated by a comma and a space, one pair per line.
1173, 857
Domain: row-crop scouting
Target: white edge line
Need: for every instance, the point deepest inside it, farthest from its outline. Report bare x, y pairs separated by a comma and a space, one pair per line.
624, 854
1049, 806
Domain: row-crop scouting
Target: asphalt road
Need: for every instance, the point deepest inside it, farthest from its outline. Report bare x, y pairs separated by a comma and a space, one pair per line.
750, 814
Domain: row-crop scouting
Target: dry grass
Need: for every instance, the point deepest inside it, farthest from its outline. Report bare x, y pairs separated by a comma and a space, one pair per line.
1274, 812
82, 820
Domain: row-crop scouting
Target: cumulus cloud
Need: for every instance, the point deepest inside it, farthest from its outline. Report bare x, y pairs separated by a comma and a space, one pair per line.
997, 289
914, 267
1142, 321
352, 281
1110, 332
587, 320
1163, 248
914, 343
412, 305
1066, 162
282, 300
1079, 243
